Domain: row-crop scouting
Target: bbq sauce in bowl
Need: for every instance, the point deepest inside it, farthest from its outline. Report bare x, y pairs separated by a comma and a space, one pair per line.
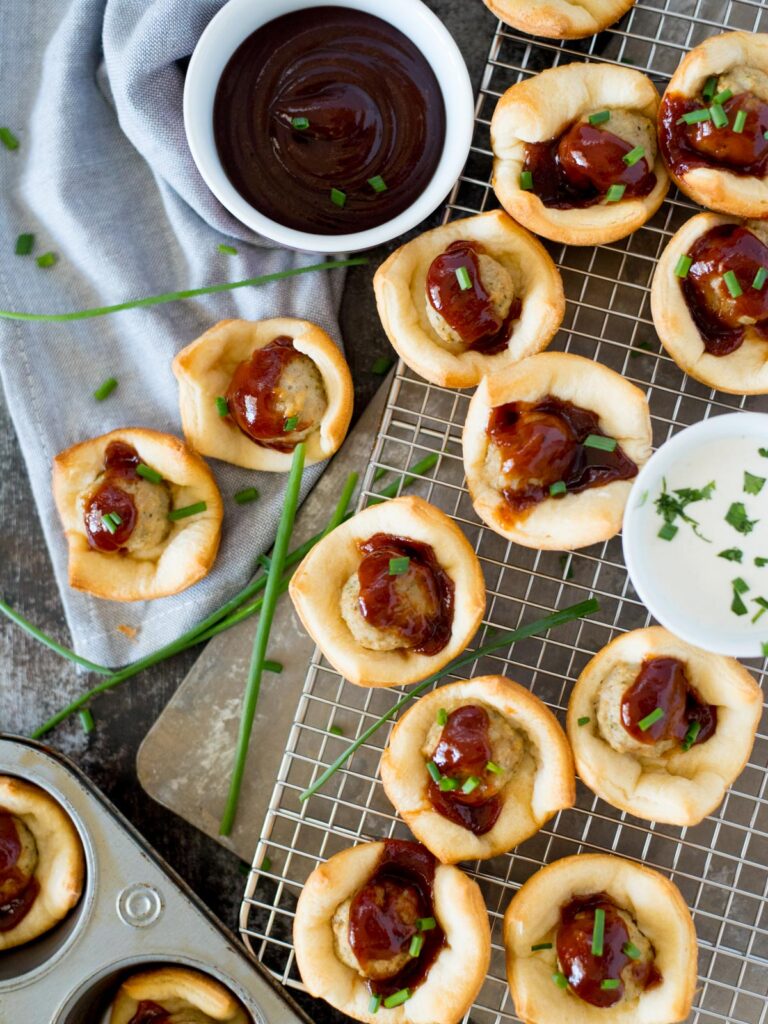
329, 120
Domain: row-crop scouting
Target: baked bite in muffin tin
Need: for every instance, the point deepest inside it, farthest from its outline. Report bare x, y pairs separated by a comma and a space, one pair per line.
169, 994
141, 513
250, 390
391, 595
660, 728
575, 153
42, 865
476, 767
709, 300
713, 122
596, 937
384, 933
469, 298
550, 449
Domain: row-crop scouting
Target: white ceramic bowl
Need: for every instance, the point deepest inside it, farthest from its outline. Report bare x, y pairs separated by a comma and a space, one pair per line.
236, 21
684, 583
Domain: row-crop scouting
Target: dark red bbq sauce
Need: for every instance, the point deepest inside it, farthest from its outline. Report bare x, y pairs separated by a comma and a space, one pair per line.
120, 462
577, 168
383, 915
686, 147
423, 617
714, 310
662, 683
17, 890
584, 971
542, 441
252, 395
148, 1012
374, 107
464, 750
468, 311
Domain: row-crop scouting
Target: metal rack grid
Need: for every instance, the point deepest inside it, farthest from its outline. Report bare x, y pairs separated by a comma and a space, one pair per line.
721, 865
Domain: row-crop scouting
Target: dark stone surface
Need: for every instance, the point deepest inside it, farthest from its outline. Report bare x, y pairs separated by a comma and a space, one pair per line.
123, 717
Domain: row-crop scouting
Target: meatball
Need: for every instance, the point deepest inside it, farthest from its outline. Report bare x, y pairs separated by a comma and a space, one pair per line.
744, 79
414, 601
759, 229
609, 722
635, 968
13, 886
300, 392
153, 503
498, 283
407, 910
635, 129
367, 636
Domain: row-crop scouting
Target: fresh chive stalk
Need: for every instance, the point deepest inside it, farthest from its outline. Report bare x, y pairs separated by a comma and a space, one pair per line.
52, 644
470, 785
493, 768
271, 593
373, 1004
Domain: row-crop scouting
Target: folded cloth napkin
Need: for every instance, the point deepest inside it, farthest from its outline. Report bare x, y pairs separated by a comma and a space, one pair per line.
103, 178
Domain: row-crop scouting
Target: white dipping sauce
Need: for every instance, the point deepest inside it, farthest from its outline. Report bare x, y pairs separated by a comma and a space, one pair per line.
683, 582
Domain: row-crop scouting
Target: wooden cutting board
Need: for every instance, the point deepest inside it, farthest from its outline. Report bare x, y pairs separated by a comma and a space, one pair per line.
186, 758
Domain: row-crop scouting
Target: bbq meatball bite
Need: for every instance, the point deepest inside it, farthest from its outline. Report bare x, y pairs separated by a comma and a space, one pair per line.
497, 281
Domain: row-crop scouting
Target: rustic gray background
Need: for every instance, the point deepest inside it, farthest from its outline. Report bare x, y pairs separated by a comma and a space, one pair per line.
34, 683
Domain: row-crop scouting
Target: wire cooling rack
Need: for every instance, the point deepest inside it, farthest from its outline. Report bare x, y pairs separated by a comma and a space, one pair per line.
721, 865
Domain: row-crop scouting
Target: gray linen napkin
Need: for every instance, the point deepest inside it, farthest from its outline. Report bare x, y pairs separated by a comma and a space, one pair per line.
104, 179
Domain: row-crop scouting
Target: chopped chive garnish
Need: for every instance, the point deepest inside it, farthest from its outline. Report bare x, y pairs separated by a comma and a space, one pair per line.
247, 495
761, 562
684, 264
300, 123
338, 198
187, 511
46, 260
633, 156
448, 785
736, 516
374, 1004
145, 471
222, 406
759, 279
566, 564
584, 720
434, 771
668, 531
740, 585
721, 97
541, 945
273, 666
462, 276
397, 998
709, 88
426, 924
598, 932
377, 183
719, 116
764, 645
471, 784
382, 365
108, 523
739, 121
105, 390
732, 283
415, 947
227, 250
731, 554
690, 738
8, 139
694, 116
442, 717
86, 720
557, 488
640, 348
763, 606
763, 452
290, 424
336, 730
753, 484
614, 193
600, 117
609, 983
266, 864
560, 980
398, 566
737, 605
526, 181
116, 518
24, 245
603, 444
645, 723
493, 768
630, 949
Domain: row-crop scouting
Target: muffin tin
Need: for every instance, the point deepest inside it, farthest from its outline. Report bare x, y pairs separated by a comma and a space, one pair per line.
134, 913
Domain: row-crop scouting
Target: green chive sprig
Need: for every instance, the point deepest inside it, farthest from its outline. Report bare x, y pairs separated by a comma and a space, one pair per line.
271, 594
86, 720
52, 644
